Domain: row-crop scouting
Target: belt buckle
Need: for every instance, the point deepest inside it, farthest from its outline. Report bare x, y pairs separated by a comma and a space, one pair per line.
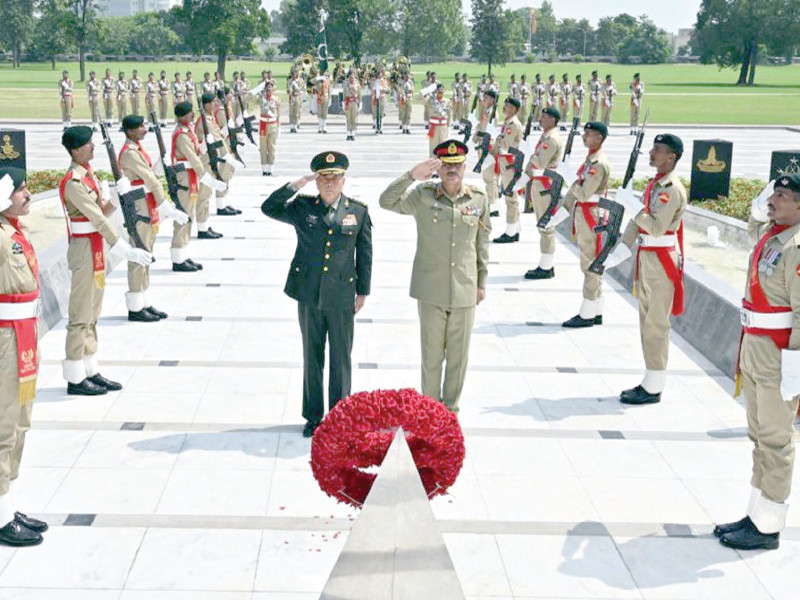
745, 317
640, 239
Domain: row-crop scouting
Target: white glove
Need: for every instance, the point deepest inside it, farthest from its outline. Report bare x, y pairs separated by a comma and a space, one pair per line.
208, 181
758, 210
219, 186
790, 374
105, 191
123, 185
231, 124
562, 214
209, 139
618, 255
123, 249
167, 211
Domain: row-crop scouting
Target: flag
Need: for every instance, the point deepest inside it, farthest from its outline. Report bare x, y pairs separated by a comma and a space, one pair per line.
533, 21
322, 49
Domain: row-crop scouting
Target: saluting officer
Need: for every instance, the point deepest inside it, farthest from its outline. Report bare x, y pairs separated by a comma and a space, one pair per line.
19, 361
329, 276
88, 226
658, 229
450, 266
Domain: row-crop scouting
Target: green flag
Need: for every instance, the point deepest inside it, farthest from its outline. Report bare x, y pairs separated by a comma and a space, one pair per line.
322, 50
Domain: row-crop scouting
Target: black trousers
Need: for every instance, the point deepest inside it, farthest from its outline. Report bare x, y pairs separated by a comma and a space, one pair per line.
316, 325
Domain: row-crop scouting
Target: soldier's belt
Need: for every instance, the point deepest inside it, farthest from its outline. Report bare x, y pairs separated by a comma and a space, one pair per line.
269, 121
82, 227
592, 201
657, 241
772, 320
438, 121
17, 311
189, 166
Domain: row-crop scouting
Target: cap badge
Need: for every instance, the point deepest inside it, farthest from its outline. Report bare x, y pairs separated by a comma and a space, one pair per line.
330, 159
784, 181
452, 149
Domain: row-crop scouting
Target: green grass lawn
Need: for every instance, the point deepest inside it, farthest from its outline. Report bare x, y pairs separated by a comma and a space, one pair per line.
674, 93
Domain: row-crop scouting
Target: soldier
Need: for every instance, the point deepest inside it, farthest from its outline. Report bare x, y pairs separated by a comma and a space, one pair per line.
439, 119
352, 104
513, 87
553, 92
88, 225
485, 110
296, 91
270, 127
637, 93
178, 90
595, 88
329, 277
609, 91
450, 266
492, 84
151, 93
768, 365
583, 195
207, 87
509, 138
524, 94
539, 94
65, 88
93, 94
236, 88
658, 228
322, 89
219, 83
163, 98
466, 96
136, 89
578, 92
546, 155
225, 167
122, 98
380, 88
137, 167
564, 100
405, 102
108, 86
190, 90
19, 361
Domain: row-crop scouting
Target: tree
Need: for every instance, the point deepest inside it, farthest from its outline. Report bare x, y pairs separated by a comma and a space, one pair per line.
224, 26
432, 28
277, 25
81, 24
356, 27
544, 39
644, 42
300, 19
150, 34
498, 34
17, 19
49, 34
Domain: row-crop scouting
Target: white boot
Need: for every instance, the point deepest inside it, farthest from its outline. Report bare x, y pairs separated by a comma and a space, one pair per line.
769, 516
135, 301
74, 370
324, 125
547, 261
264, 169
588, 309
178, 255
513, 228
90, 362
269, 169
654, 381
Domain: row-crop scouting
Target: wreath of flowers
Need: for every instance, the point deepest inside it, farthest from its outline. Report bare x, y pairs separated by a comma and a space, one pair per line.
356, 435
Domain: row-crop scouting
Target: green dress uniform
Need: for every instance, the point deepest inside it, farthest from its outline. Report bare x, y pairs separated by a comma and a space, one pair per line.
450, 265
331, 265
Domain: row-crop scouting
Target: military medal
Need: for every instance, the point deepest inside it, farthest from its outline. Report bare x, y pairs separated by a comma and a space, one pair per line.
349, 220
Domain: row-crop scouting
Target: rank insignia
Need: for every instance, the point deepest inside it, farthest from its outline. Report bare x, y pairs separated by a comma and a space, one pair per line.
592, 171
663, 197
471, 211
312, 219
545, 146
349, 220
16, 248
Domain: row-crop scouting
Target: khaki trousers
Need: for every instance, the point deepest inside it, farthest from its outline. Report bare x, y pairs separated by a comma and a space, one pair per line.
489, 178
139, 275
405, 114
537, 112
94, 109
85, 301
322, 108
547, 238
295, 105
122, 108
635, 111
439, 136
656, 291
523, 115
512, 201
587, 244
268, 143
445, 335
150, 105
135, 104
108, 103
162, 106
769, 419
182, 233
351, 115
594, 106
375, 112
607, 114
15, 418
66, 110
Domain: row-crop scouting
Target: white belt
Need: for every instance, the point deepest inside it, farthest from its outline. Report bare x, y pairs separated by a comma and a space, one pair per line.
656, 241
593, 200
82, 227
268, 121
538, 173
438, 121
759, 320
16, 311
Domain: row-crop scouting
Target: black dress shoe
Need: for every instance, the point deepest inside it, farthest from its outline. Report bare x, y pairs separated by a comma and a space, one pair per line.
527, 210
16, 534
629, 392
31, 523
236, 210
506, 239
226, 211
750, 538
266, 174
494, 213
640, 396
159, 313
726, 528
540, 273
216, 234
195, 265
578, 321
111, 386
85, 388
309, 428
598, 320
183, 267
142, 316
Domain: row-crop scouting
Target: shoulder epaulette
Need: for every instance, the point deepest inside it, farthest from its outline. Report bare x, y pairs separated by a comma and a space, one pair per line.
669, 184
476, 189
429, 185
359, 202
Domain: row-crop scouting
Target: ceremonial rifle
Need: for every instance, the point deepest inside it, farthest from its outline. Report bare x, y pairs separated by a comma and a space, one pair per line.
611, 226
483, 147
248, 120
519, 164
467, 129
233, 132
637, 150
556, 184
474, 102
527, 131
213, 155
576, 123
127, 201
170, 171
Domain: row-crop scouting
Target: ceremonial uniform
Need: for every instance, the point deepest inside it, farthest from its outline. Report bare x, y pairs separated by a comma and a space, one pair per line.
122, 99
380, 88
539, 93
352, 104
65, 88
331, 265
269, 129
439, 119
609, 91
456, 99
524, 94
151, 96
595, 87
510, 137
190, 91
296, 90
178, 92
136, 90
207, 87
578, 93
108, 98
322, 87
565, 100
93, 94
163, 99
546, 155
637, 93
186, 150
553, 92
450, 265
225, 167
466, 98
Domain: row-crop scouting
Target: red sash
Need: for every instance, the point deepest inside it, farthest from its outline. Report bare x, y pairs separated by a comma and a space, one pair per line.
95, 238
586, 209
193, 178
433, 126
24, 329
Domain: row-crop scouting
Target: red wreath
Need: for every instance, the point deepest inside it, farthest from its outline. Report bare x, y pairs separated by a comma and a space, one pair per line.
357, 433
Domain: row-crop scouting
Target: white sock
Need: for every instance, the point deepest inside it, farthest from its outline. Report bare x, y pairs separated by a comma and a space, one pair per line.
202, 226
74, 370
6, 510
264, 168
90, 362
769, 516
135, 301
654, 381
178, 255
547, 261
513, 228
755, 494
588, 309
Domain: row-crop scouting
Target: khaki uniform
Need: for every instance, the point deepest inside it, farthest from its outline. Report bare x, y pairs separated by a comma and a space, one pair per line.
151, 97
583, 197
190, 91
547, 155
595, 87
637, 95
539, 93
609, 91
322, 87
578, 93
16, 278
509, 137
656, 290
450, 264
109, 86
207, 86
163, 99
136, 90
769, 418
456, 99
565, 101
93, 94
122, 99
379, 88
137, 166
178, 92
466, 99
439, 111
226, 168
352, 103
524, 94
405, 102
270, 127
553, 92
65, 89
295, 101
186, 149
83, 203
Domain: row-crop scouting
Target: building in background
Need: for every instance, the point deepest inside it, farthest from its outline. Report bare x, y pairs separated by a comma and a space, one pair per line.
126, 8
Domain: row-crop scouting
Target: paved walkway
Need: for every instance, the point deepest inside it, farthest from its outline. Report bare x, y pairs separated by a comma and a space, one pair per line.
194, 483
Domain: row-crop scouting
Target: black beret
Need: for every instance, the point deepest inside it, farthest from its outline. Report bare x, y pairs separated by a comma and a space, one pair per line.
594, 72
538, 75
491, 93
329, 162
673, 141
598, 127
75, 137
790, 182
553, 112
513, 102
132, 122
182, 109
608, 76
17, 176
206, 98
553, 76
635, 75
439, 86
451, 151
565, 76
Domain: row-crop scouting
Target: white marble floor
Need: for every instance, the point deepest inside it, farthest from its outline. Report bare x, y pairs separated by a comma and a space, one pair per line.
193, 482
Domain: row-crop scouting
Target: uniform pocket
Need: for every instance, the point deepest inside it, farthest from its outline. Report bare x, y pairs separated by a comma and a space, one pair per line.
470, 220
